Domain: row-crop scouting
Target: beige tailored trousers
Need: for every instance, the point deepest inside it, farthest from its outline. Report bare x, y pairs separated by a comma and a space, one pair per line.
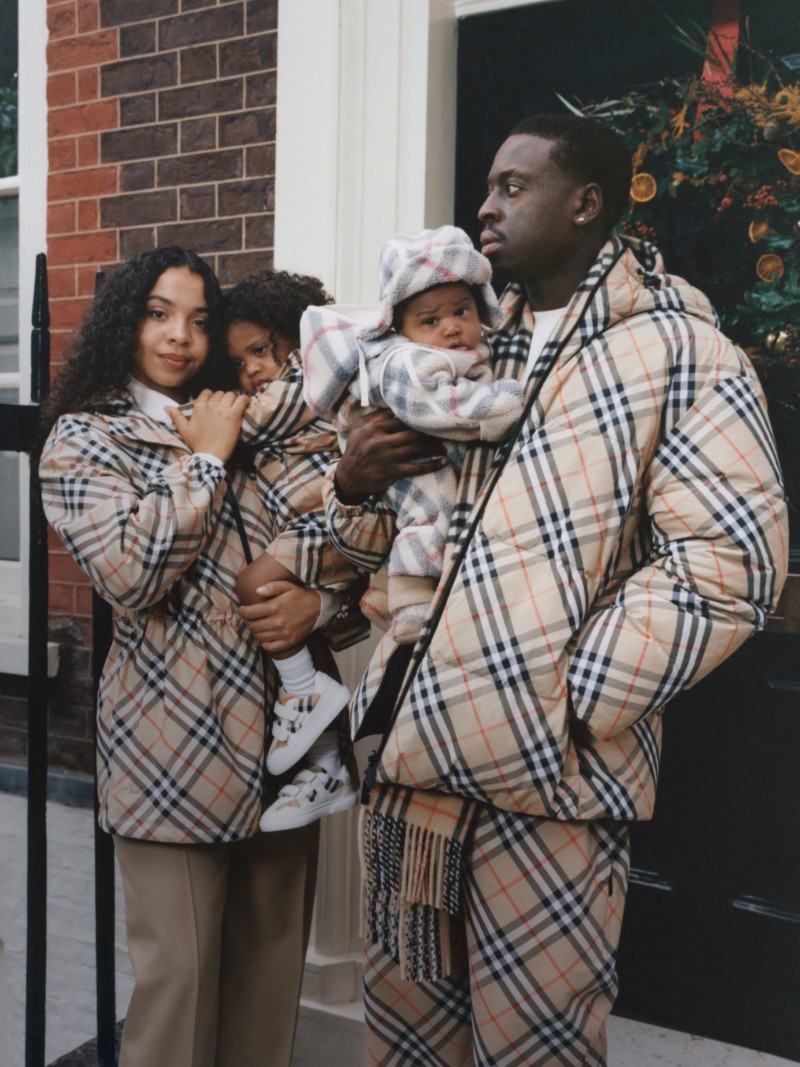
217, 936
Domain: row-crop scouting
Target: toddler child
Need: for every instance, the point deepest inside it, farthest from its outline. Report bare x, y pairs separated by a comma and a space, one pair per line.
292, 449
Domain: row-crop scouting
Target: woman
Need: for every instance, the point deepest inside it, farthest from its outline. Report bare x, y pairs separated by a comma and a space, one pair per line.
217, 913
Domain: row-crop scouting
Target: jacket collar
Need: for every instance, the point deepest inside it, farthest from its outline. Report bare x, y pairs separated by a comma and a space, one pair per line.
609, 292
128, 422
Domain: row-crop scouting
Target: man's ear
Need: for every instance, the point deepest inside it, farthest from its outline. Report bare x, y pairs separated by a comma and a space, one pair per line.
590, 204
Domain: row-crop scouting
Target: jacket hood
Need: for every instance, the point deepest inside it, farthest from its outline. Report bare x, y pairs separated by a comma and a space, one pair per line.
636, 283
657, 288
411, 263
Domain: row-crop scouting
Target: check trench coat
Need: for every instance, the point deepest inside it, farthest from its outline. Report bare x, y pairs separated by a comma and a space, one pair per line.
182, 695
635, 538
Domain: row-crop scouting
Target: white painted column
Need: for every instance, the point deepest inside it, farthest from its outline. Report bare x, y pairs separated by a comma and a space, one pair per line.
365, 149
365, 133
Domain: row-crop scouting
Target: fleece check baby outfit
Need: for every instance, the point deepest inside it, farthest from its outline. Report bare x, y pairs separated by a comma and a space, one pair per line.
352, 365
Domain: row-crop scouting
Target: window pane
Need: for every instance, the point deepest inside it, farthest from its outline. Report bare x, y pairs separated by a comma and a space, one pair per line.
9, 362
9, 513
9, 30
9, 492
9, 283
11, 464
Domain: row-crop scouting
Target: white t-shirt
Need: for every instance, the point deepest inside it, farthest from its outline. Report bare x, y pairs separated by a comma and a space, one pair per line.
544, 322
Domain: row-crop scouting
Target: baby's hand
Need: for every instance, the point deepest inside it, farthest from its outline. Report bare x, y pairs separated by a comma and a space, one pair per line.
215, 423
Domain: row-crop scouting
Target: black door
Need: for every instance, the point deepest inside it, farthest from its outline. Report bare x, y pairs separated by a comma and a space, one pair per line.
711, 939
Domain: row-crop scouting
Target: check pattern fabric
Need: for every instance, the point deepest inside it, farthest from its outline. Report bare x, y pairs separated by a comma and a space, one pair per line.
182, 697
636, 537
411, 263
293, 449
446, 393
412, 847
541, 922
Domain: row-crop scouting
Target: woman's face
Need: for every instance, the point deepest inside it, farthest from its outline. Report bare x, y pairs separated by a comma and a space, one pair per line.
255, 359
172, 342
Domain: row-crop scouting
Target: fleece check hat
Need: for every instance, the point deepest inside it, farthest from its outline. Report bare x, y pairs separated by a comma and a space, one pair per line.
413, 262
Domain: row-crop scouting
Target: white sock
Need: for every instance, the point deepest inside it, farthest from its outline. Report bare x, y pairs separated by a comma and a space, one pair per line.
325, 753
297, 673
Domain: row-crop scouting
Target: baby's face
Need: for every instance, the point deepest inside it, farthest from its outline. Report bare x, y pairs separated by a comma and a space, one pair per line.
256, 358
444, 317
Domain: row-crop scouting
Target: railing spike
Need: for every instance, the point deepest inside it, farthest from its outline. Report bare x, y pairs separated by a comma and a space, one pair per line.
40, 333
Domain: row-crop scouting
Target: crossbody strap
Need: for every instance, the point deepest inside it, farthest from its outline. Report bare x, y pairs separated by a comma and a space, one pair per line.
499, 462
233, 504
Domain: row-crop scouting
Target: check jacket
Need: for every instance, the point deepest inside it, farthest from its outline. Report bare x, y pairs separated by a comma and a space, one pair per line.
635, 538
181, 701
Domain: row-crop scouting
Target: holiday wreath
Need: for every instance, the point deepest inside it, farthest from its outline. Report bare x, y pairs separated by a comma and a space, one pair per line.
715, 187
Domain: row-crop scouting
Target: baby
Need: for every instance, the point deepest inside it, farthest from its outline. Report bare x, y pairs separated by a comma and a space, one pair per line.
425, 355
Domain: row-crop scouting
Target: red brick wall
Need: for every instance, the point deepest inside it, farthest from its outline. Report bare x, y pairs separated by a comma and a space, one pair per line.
161, 130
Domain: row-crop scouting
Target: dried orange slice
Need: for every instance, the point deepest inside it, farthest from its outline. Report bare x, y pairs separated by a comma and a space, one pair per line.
790, 159
643, 187
769, 267
757, 229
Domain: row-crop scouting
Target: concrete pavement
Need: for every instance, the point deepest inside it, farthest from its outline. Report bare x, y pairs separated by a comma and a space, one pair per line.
71, 968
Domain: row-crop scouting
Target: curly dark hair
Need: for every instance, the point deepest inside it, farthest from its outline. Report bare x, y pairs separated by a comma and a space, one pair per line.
100, 354
275, 300
590, 150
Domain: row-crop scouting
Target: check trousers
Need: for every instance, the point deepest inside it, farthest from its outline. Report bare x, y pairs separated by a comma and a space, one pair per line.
542, 915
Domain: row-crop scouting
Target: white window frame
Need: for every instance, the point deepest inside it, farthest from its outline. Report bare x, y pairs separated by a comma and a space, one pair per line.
31, 185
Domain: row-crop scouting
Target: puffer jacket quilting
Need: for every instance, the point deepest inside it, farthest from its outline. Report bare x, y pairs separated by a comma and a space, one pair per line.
636, 537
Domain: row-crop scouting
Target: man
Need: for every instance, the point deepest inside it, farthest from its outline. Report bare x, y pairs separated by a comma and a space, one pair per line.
635, 536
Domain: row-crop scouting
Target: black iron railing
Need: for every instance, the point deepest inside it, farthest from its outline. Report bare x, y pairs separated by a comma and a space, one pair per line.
18, 428
103, 853
18, 423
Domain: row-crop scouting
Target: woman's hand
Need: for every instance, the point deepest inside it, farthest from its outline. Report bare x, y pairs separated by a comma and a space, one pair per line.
284, 617
381, 449
215, 423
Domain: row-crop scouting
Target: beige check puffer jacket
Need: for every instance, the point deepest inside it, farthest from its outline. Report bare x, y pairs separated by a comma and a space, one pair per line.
636, 537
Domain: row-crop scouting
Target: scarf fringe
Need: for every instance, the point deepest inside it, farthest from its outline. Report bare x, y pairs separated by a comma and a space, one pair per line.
410, 893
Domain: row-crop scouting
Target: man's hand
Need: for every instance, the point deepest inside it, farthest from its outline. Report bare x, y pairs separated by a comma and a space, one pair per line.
381, 449
215, 423
285, 617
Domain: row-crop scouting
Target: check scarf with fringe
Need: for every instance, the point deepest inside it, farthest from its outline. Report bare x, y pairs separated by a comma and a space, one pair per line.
412, 847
